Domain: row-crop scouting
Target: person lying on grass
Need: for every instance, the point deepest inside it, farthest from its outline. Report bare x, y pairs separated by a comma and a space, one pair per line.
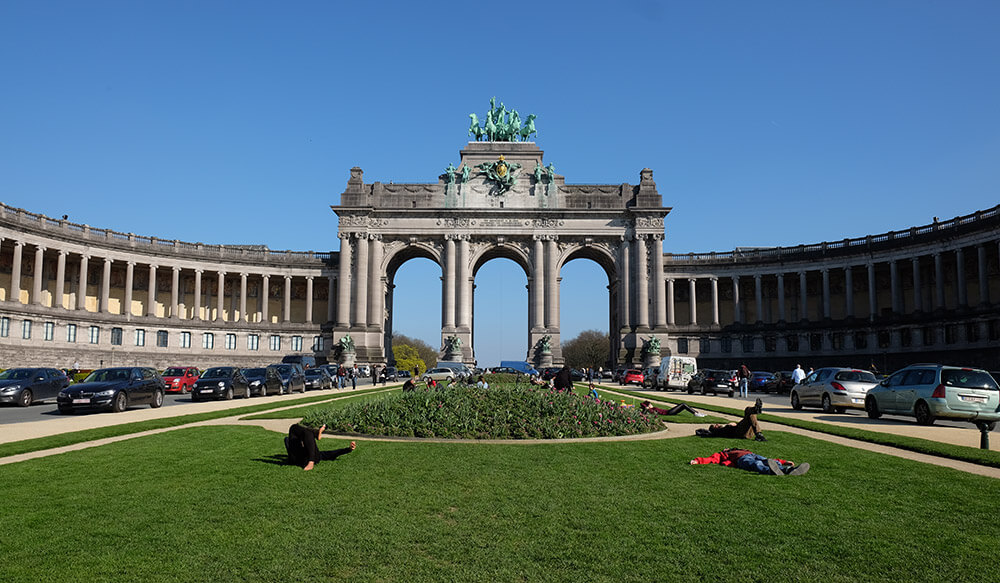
746, 428
646, 406
745, 459
303, 451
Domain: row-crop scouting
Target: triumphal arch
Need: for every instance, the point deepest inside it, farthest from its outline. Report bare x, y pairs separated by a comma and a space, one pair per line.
501, 199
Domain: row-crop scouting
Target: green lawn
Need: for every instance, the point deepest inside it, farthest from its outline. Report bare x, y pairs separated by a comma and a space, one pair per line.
212, 504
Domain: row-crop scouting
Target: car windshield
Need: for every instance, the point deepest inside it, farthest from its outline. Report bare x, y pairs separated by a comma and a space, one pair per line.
15, 374
174, 372
313, 372
856, 375
283, 369
253, 372
108, 374
219, 372
968, 379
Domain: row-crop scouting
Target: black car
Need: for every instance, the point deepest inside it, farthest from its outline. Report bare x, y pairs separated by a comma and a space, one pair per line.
292, 378
781, 382
714, 381
391, 374
24, 386
220, 382
263, 381
318, 378
114, 389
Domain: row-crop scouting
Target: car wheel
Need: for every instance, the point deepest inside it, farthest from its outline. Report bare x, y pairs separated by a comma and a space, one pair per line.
26, 398
247, 394
229, 394
795, 401
923, 413
184, 389
120, 403
871, 407
157, 400
827, 404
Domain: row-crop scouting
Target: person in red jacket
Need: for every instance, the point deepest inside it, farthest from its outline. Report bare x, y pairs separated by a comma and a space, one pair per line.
752, 462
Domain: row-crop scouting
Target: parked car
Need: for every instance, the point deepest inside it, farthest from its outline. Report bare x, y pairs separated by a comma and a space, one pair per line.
391, 374
833, 389
714, 381
221, 382
548, 373
676, 372
649, 377
781, 382
24, 386
403, 374
460, 370
306, 360
632, 376
263, 380
180, 379
439, 375
932, 391
114, 389
576, 375
759, 380
619, 373
292, 377
318, 378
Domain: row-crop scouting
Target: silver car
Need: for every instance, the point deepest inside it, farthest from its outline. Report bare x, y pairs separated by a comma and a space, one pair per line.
833, 389
930, 391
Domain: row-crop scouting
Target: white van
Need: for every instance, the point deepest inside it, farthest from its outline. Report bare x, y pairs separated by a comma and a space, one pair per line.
675, 372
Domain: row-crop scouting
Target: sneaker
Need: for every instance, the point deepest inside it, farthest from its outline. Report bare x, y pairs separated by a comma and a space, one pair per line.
759, 437
699, 414
758, 406
775, 467
799, 470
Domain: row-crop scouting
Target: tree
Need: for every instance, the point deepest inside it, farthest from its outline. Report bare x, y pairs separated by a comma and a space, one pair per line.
407, 358
589, 349
426, 353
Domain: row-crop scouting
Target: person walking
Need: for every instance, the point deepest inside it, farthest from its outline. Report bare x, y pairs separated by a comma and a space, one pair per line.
743, 374
798, 374
354, 377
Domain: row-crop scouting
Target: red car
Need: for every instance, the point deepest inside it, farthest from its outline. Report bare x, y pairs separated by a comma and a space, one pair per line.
180, 379
631, 376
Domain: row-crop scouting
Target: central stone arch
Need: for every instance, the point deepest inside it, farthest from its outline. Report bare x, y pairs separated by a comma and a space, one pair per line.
487, 207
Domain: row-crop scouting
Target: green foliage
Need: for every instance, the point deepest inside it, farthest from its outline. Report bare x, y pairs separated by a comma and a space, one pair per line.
427, 353
503, 411
590, 349
407, 358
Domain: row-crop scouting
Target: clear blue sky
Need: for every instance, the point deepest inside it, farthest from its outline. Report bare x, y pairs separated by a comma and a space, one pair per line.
766, 123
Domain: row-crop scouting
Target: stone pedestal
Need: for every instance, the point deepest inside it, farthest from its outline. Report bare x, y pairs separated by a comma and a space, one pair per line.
347, 358
651, 359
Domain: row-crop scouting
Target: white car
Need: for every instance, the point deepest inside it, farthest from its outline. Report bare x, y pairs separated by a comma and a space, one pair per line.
676, 372
439, 375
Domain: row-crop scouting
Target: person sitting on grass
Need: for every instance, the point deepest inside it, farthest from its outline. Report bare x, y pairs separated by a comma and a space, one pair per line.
409, 385
746, 428
563, 380
481, 383
646, 406
745, 459
303, 451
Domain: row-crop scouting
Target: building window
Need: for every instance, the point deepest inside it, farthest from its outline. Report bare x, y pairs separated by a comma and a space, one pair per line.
837, 340
727, 344
972, 332
50, 331
682, 345
116, 336
792, 342
5, 327
747, 342
770, 343
253, 341
296, 344
815, 342
208, 341
230, 341
905, 337
95, 334
994, 329
274, 342
161, 338
185, 340
928, 334
950, 334
71, 333
319, 345
26, 329
884, 338
860, 340
704, 345
140, 337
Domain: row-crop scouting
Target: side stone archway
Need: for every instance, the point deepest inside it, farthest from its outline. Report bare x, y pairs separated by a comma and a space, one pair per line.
501, 201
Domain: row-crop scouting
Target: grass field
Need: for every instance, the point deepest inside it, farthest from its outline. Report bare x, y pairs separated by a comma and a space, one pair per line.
214, 504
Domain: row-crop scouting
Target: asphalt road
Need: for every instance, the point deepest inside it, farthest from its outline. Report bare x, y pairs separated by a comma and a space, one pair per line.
47, 410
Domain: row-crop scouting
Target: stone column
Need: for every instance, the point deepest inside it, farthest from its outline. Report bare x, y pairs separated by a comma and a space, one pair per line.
984, 282
287, 316
81, 293
343, 282
658, 292
197, 294
464, 316
694, 301
331, 302
938, 282
872, 298
626, 283
642, 282
803, 296
715, 301
538, 284
360, 280
894, 286
175, 288
963, 298
151, 292
737, 304
36, 281
220, 301
265, 297
781, 297
376, 287
758, 297
60, 280
129, 279
918, 300
243, 298
448, 285
15, 273
826, 293
849, 289
105, 302
551, 283
670, 302
309, 299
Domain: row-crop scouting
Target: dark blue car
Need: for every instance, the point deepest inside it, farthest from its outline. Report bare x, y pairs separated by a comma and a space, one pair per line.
114, 389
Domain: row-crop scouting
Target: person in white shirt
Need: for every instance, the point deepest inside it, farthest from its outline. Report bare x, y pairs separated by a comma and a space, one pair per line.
798, 374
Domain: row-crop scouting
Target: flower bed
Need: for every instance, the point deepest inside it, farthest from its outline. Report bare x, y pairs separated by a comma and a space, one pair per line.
501, 412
